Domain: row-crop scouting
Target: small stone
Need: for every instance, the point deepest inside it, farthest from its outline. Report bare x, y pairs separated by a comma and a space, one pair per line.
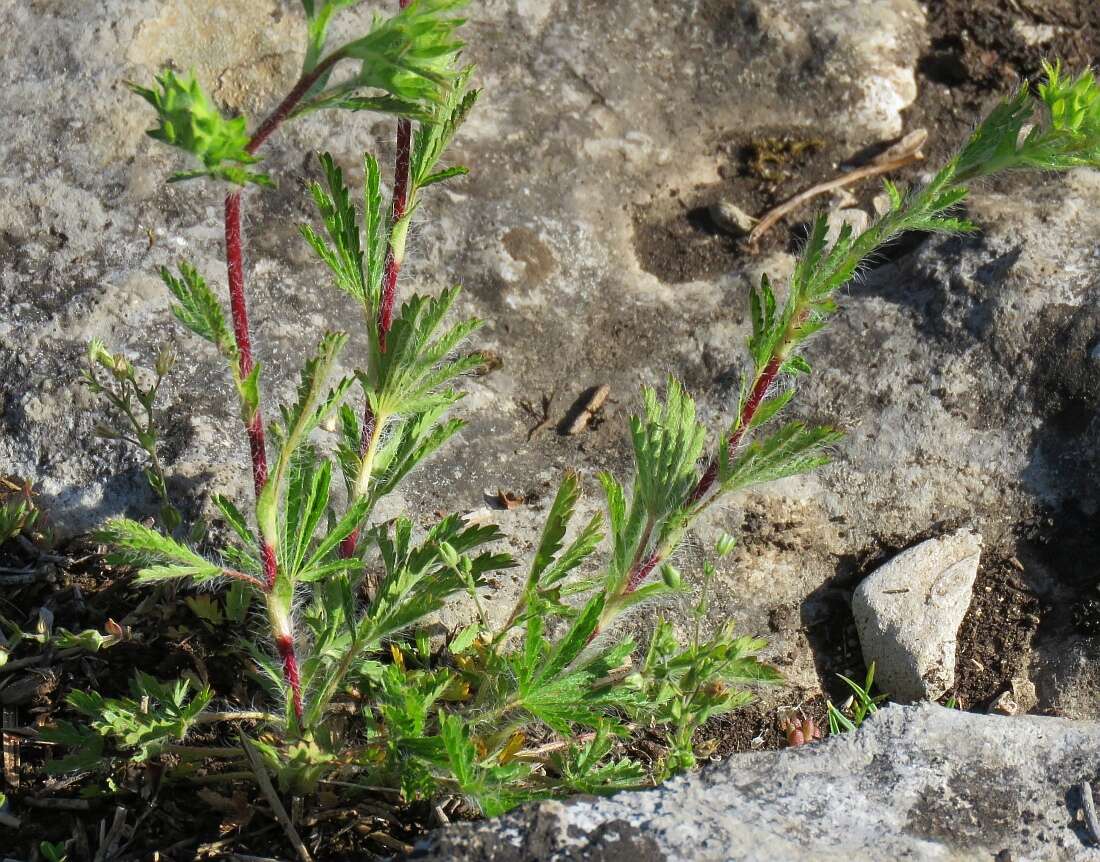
1024, 693
881, 203
730, 218
857, 218
1005, 704
908, 614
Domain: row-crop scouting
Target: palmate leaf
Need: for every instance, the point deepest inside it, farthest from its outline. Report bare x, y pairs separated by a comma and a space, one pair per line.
627, 529
156, 713
495, 789
318, 16
198, 309
414, 439
306, 502
550, 566
409, 57
408, 376
342, 252
586, 768
188, 120
795, 448
418, 581
667, 444
553, 533
313, 404
432, 138
160, 557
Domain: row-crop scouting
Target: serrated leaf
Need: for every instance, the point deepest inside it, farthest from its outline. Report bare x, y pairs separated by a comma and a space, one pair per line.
198, 309
795, 448
160, 557
188, 120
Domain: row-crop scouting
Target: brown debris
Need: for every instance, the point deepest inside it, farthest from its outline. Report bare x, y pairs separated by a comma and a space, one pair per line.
585, 409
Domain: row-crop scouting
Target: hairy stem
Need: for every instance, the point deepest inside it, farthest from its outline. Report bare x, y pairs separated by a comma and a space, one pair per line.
287, 105
394, 256
368, 449
239, 310
644, 566
396, 252
285, 646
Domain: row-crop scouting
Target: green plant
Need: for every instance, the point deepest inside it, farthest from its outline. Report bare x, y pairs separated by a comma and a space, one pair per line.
345, 598
18, 512
115, 379
53, 851
860, 705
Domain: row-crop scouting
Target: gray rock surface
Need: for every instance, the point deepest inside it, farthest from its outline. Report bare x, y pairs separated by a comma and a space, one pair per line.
925, 784
908, 614
961, 371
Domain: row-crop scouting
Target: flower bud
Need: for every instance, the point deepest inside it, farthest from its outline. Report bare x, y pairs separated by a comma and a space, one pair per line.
671, 576
165, 360
725, 545
121, 367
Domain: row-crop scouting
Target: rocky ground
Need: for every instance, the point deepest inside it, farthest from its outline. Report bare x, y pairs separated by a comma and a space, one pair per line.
966, 372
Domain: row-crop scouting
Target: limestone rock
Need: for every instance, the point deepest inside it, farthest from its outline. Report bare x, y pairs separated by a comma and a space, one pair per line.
924, 784
565, 143
908, 614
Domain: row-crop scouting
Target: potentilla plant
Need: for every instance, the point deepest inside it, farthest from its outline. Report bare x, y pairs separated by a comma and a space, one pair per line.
540, 705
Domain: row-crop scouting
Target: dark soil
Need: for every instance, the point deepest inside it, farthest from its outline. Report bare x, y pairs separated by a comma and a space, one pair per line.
976, 53
996, 636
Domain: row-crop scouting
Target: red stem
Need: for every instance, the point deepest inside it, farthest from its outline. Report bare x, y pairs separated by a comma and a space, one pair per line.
400, 204
756, 397
285, 645
239, 309
287, 105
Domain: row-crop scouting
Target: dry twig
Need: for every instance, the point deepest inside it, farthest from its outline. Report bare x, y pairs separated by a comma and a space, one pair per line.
904, 152
264, 780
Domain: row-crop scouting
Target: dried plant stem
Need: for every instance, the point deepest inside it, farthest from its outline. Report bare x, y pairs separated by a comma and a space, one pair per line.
902, 154
268, 790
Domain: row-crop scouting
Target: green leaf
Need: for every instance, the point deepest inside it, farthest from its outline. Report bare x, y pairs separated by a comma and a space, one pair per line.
351, 520
161, 557
306, 502
574, 641
464, 639
409, 55
667, 444
444, 175
344, 256
557, 521
795, 448
188, 120
235, 519
771, 406
410, 376
198, 309
318, 16
313, 404
432, 138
